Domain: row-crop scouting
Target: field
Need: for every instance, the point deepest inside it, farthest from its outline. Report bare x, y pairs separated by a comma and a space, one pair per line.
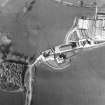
45, 26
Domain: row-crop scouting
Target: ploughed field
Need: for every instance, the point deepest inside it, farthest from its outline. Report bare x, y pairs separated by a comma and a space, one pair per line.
43, 27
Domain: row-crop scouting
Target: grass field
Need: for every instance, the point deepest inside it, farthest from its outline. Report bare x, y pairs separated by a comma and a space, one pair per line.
44, 27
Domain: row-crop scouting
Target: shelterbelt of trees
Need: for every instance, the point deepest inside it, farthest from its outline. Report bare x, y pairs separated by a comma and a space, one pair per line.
88, 3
